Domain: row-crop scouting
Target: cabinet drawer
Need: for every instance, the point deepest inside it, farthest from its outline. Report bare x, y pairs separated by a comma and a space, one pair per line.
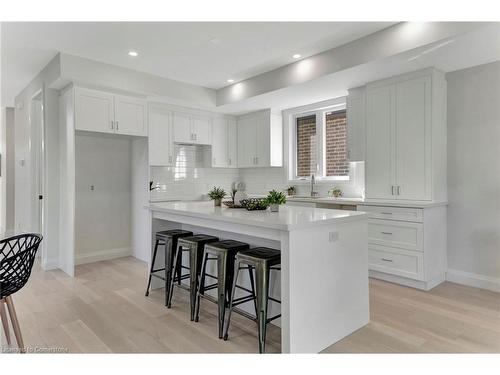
404, 235
393, 213
396, 262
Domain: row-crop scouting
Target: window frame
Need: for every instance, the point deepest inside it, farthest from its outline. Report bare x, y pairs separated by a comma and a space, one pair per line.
320, 111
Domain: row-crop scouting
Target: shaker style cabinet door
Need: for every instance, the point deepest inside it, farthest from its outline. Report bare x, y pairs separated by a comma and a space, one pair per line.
201, 129
413, 139
94, 111
219, 142
380, 129
160, 139
263, 141
232, 144
181, 125
356, 124
130, 116
247, 142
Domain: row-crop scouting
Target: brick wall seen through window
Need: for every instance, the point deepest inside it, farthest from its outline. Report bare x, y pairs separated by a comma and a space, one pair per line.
306, 146
336, 144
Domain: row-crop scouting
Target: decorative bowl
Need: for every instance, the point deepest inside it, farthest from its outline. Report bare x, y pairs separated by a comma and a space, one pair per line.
252, 204
230, 204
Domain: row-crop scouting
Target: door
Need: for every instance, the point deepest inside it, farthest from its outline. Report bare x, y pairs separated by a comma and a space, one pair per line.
201, 128
413, 139
219, 142
181, 126
247, 142
94, 111
160, 139
379, 165
130, 116
232, 143
263, 141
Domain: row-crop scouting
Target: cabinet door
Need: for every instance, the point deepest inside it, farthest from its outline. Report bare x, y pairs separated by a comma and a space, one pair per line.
219, 142
247, 142
201, 128
356, 125
130, 116
181, 126
160, 139
379, 165
413, 139
263, 141
232, 144
94, 111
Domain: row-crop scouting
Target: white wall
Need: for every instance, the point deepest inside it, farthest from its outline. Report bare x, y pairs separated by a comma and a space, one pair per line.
9, 172
102, 215
474, 175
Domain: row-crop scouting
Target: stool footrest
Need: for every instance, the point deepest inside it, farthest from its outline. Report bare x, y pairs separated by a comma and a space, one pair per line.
158, 276
274, 299
239, 301
273, 318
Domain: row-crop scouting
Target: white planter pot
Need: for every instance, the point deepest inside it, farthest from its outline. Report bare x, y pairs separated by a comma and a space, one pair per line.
274, 207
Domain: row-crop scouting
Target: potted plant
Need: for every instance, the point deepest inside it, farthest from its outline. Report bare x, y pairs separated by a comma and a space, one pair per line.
216, 194
290, 190
275, 198
336, 192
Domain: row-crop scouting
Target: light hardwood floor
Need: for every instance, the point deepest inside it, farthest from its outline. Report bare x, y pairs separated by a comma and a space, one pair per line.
103, 309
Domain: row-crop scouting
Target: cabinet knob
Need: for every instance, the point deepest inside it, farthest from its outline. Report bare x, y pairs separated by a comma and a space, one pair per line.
111, 124
117, 126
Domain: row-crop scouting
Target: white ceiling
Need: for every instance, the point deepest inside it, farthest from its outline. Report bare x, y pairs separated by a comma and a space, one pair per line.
204, 54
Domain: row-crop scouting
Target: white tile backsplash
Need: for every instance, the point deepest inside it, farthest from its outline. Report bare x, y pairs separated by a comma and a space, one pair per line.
191, 178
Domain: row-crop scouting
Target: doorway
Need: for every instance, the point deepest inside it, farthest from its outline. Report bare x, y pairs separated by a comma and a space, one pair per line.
37, 150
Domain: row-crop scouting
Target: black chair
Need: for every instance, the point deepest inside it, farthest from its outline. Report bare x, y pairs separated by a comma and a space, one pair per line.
262, 260
168, 239
17, 255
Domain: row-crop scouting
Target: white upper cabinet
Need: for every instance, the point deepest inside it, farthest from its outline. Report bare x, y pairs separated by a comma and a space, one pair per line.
232, 143
94, 111
356, 124
130, 116
181, 125
161, 146
406, 137
220, 143
202, 130
195, 129
99, 111
260, 140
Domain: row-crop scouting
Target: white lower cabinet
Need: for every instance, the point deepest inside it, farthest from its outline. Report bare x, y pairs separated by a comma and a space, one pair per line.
407, 245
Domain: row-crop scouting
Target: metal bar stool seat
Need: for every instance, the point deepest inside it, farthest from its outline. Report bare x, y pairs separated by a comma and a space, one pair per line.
263, 260
167, 238
224, 253
195, 246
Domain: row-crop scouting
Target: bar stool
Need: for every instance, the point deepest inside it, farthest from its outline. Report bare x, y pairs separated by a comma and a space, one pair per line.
263, 260
169, 239
223, 252
194, 245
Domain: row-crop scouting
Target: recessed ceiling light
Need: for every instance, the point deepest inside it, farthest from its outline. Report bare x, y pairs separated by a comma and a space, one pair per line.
230, 80
133, 53
297, 56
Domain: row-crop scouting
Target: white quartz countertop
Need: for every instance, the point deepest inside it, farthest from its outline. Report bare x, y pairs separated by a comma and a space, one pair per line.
361, 201
288, 217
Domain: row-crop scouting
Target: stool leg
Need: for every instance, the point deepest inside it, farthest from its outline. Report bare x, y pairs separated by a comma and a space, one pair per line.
262, 276
152, 266
233, 290
5, 321
252, 287
169, 249
201, 286
193, 277
221, 290
15, 323
177, 256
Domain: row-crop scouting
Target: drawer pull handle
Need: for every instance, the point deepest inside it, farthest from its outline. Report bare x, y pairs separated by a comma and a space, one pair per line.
386, 213
389, 233
387, 260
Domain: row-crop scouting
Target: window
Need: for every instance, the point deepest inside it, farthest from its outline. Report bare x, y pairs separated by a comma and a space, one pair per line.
321, 144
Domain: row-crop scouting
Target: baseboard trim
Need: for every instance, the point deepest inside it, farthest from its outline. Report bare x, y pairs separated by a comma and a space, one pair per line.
97, 256
473, 279
50, 264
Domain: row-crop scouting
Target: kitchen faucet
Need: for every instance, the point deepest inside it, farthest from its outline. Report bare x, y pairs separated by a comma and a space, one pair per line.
313, 183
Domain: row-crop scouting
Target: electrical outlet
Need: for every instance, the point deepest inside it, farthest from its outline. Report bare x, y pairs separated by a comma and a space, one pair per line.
333, 236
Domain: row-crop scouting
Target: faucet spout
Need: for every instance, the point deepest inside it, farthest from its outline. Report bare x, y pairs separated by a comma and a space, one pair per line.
313, 184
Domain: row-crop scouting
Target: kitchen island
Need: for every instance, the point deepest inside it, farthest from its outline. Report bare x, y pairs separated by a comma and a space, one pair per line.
323, 282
